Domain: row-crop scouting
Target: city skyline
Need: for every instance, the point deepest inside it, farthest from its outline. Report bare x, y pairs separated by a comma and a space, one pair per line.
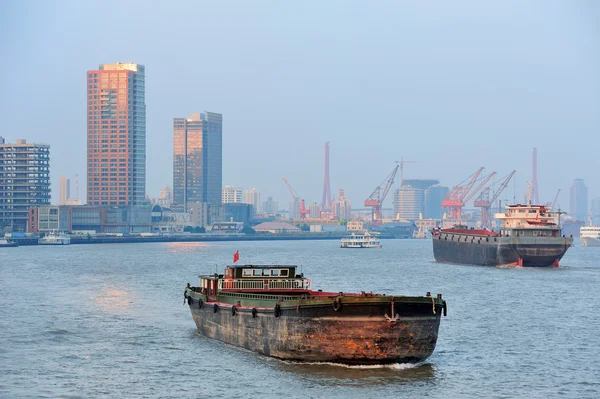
440, 103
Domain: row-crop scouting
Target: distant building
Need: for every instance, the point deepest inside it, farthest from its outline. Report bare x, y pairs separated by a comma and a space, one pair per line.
24, 182
276, 227
116, 135
354, 225
65, 190
596, 211
342, 207
197, 159
270, 207
423, 184
231, 195
408, 202
252, 196
239, 212
433, 201
579, 200
314, 210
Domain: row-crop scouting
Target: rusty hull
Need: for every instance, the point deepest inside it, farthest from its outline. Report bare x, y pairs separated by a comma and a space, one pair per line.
362, 331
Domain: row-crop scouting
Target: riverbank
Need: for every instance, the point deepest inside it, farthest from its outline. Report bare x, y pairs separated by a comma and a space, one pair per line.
196, 238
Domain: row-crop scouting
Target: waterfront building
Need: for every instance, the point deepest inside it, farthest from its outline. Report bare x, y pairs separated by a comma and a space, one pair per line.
231, 195
579, 200
24, 182
270, 207
408, 202
252, 196
433, 201
354, 225
239, 212
197, 159
116, 135
65, 190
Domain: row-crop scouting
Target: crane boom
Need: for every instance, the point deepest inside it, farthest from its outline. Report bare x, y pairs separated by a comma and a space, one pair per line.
502, 187
483, 182
377, 196
295, 196
555, 199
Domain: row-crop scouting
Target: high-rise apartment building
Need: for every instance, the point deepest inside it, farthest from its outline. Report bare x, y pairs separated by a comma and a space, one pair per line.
65, 190
270, 207
231, 195
579, 200
342, 207
433, 201
197, 159
252, 196
24, 181
116, 134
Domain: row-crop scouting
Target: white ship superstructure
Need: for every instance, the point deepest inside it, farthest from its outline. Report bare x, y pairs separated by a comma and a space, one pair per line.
590, 235
365, 240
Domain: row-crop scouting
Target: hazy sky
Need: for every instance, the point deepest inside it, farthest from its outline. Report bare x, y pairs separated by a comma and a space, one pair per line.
453, 85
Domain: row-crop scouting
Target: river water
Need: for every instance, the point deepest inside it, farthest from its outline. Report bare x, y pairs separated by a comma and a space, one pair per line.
108, 321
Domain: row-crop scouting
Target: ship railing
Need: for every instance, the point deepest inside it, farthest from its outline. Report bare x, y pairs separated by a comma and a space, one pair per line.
266, 284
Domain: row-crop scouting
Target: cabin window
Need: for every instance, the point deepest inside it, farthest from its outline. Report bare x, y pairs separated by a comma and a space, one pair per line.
284, 273
266, 272
228, 272
532, 211
257, 272
275, 272
247, 273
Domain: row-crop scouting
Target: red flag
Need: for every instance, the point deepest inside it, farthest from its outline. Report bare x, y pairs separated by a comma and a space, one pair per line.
236, 256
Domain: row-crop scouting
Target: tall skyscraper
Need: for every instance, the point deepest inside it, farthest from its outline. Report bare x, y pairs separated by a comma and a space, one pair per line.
596, 211
408, 202
342, 207
579, 200
231, 195
252, 196
197, 159
24, 181
269, 206
433, 201
65, 190
116, 134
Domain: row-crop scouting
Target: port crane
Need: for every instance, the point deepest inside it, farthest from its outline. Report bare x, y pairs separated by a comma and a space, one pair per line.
555, 199
298, 203
377, 197
485, 202
456, 199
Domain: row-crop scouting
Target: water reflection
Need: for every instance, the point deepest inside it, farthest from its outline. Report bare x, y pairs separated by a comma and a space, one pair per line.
338, 374
114, 301
179, 247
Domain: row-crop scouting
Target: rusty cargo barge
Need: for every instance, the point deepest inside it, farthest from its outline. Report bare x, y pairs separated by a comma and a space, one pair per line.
271, 310
530, 236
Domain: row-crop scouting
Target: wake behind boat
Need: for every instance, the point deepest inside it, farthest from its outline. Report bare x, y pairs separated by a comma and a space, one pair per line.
271, 310
365, 240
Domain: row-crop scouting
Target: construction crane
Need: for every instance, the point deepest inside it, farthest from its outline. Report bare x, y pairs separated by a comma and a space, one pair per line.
457, 197
378, 196
485, 202
402, 162
555, 199
298, 203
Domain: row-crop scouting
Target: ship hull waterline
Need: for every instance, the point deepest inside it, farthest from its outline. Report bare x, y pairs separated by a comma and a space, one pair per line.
359, 333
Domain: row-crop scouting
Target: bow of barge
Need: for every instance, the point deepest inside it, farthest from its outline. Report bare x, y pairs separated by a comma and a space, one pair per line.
274, 311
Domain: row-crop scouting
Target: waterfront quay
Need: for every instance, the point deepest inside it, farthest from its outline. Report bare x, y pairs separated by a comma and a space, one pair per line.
195, 238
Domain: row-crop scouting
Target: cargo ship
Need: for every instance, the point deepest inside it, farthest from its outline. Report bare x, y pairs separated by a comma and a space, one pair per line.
530, 235
271, 310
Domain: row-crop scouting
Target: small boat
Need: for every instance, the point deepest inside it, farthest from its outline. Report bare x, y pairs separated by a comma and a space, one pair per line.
54, 238
365, 240
5, 243
271, 310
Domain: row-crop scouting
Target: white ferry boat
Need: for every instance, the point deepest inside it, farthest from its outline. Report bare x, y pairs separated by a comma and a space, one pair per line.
590, 235
54, 238
6, 243
365, 240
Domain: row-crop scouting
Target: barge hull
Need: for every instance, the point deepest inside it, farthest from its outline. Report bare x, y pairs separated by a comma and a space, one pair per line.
355, 334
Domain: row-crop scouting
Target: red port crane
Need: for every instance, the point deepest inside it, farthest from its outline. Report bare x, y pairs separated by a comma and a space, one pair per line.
378, 196
298, 203
460, 195
485, 202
